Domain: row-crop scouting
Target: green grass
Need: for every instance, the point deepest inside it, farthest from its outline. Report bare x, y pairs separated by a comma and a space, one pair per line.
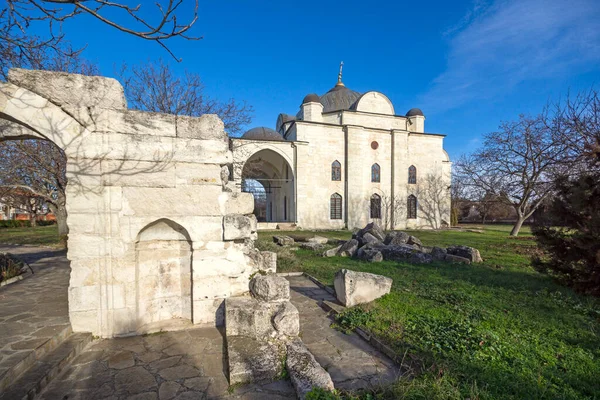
496, 330
41, 235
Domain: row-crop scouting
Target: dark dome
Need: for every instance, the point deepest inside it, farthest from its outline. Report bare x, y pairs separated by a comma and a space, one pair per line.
339, 98
414, 111
262, 133
311, 98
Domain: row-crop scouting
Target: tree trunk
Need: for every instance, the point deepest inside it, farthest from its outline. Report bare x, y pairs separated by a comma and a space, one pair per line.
33, 220
60, 212
517, 227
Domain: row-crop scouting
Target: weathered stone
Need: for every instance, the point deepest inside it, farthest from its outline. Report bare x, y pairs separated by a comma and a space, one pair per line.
420, 258
287, 320
64, 88
369, 238
413, 240
438, 253
305, 372
270, 288
317, 239
456, 259
236, 227
467, 252
311, 246
121, 360
283, 240
370, 255
168, 390
396, 238
208, 126
245, 316
179, 372
397, 253
348, 249
269, 261
374, 229
352, 288
252, 360
332, 252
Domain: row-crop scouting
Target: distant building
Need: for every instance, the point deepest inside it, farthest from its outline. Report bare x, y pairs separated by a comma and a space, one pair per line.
343, 160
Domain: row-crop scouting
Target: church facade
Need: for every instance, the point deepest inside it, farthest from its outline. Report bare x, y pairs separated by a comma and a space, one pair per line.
345, 159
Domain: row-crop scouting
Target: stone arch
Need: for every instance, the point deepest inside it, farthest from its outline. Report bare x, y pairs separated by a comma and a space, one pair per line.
27, 115
163, 276
275, 199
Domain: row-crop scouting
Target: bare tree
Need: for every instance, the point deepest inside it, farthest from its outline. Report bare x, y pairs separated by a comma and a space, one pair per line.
392, 208
24, 199
19, 18
433, 194
517, 163
155, 87
34, 170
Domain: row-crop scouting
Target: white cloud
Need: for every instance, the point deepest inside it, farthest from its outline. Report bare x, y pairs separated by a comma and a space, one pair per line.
495, 47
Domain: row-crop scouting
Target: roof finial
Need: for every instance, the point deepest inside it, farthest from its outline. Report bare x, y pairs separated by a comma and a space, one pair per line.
339, 82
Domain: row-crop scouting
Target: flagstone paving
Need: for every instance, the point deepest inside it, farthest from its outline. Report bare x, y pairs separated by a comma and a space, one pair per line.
34, 311
352, 363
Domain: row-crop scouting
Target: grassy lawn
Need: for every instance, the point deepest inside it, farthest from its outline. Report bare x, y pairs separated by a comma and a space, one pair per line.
41, 235
497, 330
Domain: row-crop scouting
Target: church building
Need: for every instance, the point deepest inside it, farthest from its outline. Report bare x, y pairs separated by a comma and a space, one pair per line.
345, 159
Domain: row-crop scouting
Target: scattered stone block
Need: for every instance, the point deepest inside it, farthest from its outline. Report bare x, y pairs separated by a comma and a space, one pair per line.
245, 316
420, 258
348, 249
413, 240
374, 229
368, 238
305, 372
467, 252
352, 288
287, 320
252, 360
370, 255
270, 288
438, 253
269, 261
332, 252
397, 253
283, 240
311, 246
396, 238
318, 239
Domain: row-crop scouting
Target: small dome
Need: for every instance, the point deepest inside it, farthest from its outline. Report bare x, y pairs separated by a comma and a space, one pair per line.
262, 133
339, 98
311, 98
414, 111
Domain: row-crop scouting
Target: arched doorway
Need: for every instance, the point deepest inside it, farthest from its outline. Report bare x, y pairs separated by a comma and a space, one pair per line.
270, 179
163, 276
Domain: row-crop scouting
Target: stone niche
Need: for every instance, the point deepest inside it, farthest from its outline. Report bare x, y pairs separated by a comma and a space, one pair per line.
156, 234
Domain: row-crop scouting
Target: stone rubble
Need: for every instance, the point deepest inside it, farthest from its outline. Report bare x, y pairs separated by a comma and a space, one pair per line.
305, 372
372, 244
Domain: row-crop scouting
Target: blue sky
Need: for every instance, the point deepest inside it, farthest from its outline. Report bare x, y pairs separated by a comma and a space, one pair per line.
467, 64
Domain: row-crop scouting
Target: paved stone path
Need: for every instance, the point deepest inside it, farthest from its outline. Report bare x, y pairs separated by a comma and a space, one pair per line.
33, 310
351, 362
180, 365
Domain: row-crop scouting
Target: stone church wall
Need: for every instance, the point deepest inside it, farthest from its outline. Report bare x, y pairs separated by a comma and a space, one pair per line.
148, 203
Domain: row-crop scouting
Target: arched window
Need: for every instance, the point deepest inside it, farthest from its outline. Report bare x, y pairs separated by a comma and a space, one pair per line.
336, 171
335, 206
375, 173
376, 206
412, 174
411, 207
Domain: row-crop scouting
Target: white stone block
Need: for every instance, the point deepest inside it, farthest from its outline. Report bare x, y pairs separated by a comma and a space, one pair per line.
236, 203
207, 126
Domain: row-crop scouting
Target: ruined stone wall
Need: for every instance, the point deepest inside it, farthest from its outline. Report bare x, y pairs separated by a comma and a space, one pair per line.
156, 235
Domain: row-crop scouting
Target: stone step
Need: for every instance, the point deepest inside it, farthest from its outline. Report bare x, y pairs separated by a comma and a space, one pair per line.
23, 360
43, 370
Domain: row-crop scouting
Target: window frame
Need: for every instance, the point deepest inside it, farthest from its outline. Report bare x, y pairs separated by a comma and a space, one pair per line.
412, 207
375, 173
336, 171
375, 206
336, 206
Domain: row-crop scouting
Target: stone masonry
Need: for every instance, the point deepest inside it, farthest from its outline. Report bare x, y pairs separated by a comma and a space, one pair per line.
156, 234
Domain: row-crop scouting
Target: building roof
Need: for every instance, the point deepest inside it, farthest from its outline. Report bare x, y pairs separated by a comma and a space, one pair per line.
339, 98
262, 133
311, 98
414, 111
